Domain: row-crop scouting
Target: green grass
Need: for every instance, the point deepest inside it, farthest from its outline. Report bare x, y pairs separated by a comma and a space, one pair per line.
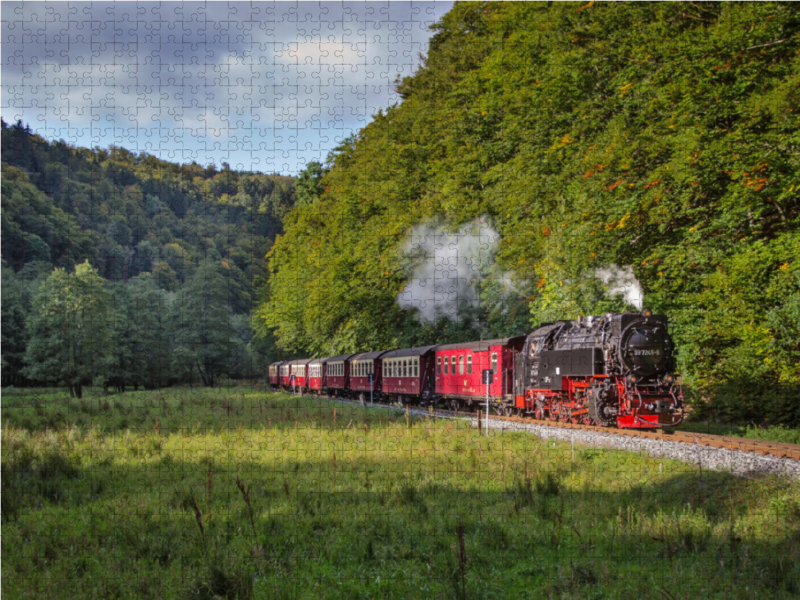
105, 498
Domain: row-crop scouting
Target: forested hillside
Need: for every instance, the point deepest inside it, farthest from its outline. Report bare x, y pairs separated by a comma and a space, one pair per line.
175, 260
663, 137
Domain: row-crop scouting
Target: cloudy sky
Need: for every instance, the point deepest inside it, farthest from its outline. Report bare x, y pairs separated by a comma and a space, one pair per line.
263, 86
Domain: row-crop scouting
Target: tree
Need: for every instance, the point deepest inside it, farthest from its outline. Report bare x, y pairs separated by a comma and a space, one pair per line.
204, 336
70, 329
141, 341
309, 183
15, 307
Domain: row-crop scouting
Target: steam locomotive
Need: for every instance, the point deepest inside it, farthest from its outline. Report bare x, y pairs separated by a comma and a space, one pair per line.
616, 369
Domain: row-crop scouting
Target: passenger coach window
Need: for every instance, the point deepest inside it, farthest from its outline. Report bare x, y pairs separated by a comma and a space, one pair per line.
446, 365
461, 365
416, 368
469, 365
438, 365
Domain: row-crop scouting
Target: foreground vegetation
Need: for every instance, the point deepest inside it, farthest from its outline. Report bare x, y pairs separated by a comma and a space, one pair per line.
243, 494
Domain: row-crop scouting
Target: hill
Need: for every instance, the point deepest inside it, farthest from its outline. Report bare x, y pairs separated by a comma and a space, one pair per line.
656, 137
148, 227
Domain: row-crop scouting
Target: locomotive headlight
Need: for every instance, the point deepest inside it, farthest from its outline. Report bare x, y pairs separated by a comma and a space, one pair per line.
669, 378
647, 312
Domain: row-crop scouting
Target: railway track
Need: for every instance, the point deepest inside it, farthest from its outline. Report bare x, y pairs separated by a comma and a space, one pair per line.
761, 447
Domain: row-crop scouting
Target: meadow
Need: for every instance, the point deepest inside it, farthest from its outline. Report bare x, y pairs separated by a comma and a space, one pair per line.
241, 493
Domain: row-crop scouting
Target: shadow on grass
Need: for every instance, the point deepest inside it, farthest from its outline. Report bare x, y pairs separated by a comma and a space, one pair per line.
364, 528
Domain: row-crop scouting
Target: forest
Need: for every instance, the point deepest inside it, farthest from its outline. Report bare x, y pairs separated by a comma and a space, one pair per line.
657, 137
120, 269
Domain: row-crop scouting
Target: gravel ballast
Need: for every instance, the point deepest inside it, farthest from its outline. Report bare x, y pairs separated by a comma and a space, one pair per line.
721, 459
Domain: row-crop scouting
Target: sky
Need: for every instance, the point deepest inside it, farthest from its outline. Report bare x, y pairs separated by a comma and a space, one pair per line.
262, 86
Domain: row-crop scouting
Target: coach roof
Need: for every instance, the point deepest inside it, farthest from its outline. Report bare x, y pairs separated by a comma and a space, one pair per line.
418, 351
341, 357
483, 345
300, 361
369, 355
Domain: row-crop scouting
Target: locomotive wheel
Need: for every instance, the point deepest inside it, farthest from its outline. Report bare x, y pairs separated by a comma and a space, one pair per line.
598, 400
587, 420
553, 413
540, 412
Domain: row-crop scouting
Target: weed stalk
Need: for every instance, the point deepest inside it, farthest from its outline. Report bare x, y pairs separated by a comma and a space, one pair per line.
462, 558
246, 496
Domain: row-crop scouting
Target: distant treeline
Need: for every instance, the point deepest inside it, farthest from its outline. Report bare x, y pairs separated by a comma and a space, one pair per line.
172, 252
660, 136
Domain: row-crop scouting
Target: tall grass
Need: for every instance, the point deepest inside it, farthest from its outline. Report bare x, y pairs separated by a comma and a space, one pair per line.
240, 494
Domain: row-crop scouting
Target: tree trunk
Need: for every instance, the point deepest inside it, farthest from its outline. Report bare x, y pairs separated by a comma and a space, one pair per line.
71, 392
79, 390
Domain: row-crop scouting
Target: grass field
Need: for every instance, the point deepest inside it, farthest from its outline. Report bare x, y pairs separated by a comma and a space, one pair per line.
235, 493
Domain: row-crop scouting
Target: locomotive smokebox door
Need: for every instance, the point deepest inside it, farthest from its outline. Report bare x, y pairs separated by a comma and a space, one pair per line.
488, 376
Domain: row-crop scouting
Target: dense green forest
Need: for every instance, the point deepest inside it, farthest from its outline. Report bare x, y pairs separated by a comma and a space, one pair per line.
660, 137
123, 269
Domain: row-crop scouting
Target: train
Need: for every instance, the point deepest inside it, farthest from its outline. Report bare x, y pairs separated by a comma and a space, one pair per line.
617, 369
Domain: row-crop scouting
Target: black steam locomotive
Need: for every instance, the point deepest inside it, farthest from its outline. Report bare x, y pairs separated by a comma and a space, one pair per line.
611, 370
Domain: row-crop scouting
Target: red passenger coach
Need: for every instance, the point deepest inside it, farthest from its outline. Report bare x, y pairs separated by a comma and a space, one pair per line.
408, 374
299, 369
459, 368
285, 375
361, 366
316, 375
274, 375
337, 374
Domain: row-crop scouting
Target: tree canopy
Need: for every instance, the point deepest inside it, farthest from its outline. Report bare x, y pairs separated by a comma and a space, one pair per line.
657, 136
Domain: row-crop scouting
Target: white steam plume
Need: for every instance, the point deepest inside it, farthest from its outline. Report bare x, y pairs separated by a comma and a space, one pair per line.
622, 281
446, 267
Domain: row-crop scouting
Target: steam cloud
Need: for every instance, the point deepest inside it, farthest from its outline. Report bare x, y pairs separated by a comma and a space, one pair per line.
446, 267
622, 281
